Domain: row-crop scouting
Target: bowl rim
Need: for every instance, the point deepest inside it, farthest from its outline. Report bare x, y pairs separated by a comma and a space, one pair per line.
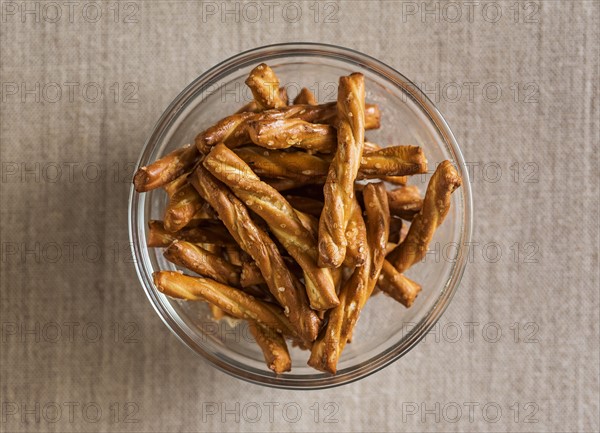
270, 52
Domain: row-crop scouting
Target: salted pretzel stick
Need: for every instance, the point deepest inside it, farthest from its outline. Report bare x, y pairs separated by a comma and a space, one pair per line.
397, 285
356, 250
182, 207
250, 275
394, 161
253, 107
309, 222
257, 243
209, 233
305, 97
405, 202
282, 219
436, 205
232, 130
264, 85
339, 187
273, 347
301, 166
359, 287
175, 185
304, 167
285, 133
202, 262
233, 301
329, 115
166, 169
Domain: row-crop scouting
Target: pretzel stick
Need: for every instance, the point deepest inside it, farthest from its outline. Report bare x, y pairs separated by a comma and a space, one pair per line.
232, 130
250, 275
253, 107
301, 166
166, 169
233, 301
204, 213
398, 286
305, 97
209, 233
264, 85
285, 133
394, 161
339, 187
310, 223
273, 346
436, 205
254, 241
202, 262
304, 167
329, 115
282, 219
405, 202
356, 250
182, 207
175, 185
356, 291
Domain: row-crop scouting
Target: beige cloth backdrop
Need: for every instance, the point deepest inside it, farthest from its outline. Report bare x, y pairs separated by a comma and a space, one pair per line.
517, 350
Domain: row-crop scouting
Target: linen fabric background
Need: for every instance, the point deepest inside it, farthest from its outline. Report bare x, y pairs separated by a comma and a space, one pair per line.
517, 350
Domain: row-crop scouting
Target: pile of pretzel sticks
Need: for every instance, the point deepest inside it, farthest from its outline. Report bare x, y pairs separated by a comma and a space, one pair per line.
282, 213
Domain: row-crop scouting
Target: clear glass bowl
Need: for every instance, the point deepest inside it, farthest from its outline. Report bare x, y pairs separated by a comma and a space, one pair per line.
386, 330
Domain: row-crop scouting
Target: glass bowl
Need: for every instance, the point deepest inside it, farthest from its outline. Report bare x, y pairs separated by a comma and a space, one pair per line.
386, 330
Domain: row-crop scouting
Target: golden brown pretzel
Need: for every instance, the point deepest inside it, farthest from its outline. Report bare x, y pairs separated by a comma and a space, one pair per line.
175, 185
203, 262
285, 133
397, 285
253, 107
305, 97
405, 202
183, 206
339, 187
273, 347
233, 301
394, 161
436, 205
232, 130
356, 250
304, 167
256, 242
166, 169
327, 349
207, 233
264, 85
283, 220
